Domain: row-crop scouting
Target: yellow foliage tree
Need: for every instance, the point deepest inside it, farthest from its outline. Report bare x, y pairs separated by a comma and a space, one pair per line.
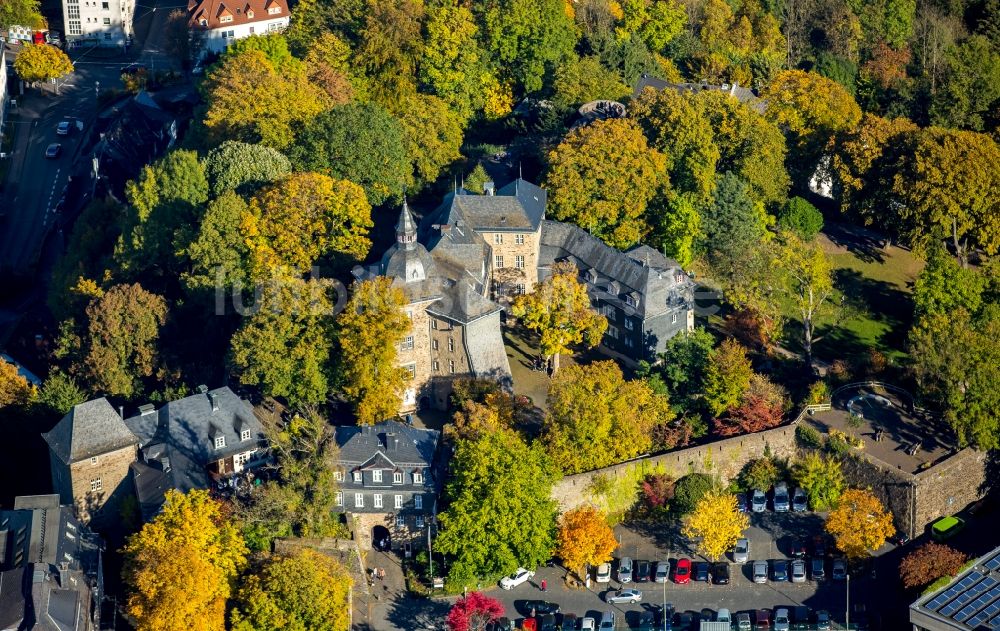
180, 568
14, 389
41, 62
860, 523
559, 309
371, 328
584, 538
717, 522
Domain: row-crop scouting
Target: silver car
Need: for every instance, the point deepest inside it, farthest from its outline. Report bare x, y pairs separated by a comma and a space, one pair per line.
625, 570
760, 571
662, 572
758, 501
607, 621
781, 503
781, 620
799, 502
798, 571
741, 553
630, 596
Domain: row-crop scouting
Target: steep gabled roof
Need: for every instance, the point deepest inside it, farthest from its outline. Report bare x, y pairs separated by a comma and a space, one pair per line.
241, 12
408, 445
89, 429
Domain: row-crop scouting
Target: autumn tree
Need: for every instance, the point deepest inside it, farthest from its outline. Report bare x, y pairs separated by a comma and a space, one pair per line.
306, 590
859, 523
243, 168
495, 482
181, 567
494, 410
822, 480
727, 376
804, 276
21, 13
928, 563
474, 611
453, 59
432, 133
528, 38
305, 216
580, 80
284, 344
370, 330
762, 406
716, 524
121, 344
217, 256
362, 143
602, 178
251, 100
559, 310
41, 62
328, 66
584, 538
389, 47
14, 388
596, 418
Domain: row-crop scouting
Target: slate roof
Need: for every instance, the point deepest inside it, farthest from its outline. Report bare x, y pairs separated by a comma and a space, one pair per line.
139, 132
89, 429
659, 283
742, 94
518, 206
414, 447
12, 602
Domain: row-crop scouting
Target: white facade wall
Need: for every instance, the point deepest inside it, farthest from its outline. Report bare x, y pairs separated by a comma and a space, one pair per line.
3, 89
218, 39
98, 22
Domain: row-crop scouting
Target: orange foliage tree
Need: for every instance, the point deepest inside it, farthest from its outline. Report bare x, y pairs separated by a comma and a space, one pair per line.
584, 538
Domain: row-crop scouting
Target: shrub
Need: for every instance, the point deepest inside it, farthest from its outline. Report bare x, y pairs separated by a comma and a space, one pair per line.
819, 392
808, 437
928, 563
689, 490
801, 217
760, 473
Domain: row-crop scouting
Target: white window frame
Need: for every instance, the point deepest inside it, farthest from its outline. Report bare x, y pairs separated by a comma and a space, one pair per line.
434, 345
359, 500
519, 239
520, 288
612, 331
418, 502
407, 343
498, 261
397, 477
419, 521
93, 460
400, 521
398, 502
451, 345
377, 475
359, 476
246, 434
220, 442
378, 500
673, 318
629, 325
451, 366
418, 478
96, 485
338, 476
519, 261
436, 366
339, 498
412, 368
497, 238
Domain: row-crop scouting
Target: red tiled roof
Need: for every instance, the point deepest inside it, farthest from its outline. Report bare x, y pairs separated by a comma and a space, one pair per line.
241, 12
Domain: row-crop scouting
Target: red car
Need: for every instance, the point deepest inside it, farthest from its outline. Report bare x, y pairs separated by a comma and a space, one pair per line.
682, 572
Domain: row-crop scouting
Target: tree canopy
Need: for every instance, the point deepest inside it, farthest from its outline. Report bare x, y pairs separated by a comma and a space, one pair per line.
39, 62
716, 523
585, 538
859, 523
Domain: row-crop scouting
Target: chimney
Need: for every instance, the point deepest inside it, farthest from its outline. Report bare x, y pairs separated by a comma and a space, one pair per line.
121, 411
214, 400
203, 389
147, 409
489, 188
64, 574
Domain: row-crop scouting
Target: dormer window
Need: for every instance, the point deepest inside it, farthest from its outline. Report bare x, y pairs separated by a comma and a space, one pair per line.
245, 434
418, 478
613, 288
225, 19
592, 275
274, 11
203, 22
338, 476
397, 477
250, 13
377, 475
220, 442
358, 477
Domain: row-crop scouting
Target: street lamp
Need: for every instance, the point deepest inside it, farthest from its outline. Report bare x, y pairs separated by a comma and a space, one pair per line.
847, 611
664, 605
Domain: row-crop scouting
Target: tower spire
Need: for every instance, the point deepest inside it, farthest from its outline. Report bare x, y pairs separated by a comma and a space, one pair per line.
406, 227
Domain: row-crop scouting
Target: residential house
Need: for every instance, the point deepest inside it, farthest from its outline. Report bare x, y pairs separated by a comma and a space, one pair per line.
51, 577
467, 259
138, 132
968, 602
106, 23
389, 479
740, 93
216, 24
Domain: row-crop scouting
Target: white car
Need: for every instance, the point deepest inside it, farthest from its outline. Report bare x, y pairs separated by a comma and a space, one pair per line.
603, 574
781, 620
588, 624
723, 616
798, 571
741, 553
781, 502
760, 572
520, 576
758, 501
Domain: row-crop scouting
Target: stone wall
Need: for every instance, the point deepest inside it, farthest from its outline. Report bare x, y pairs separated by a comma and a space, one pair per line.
509, 249
418, 356
724, 458
103, 506
892, 486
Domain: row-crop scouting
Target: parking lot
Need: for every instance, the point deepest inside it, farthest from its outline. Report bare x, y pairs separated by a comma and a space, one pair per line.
771, 535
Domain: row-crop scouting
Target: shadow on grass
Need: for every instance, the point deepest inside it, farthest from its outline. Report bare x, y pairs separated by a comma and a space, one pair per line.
861, 242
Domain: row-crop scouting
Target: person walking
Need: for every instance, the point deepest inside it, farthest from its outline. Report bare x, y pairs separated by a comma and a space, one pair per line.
544, 584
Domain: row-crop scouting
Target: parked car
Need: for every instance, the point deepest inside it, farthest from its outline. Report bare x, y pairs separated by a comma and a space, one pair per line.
946, 528
646, 621
700, 571
819, 546
839, 570
741, 553
741, 503
797, 549
758, 501
801, 616
763, 620
548, 623
631, 596
817, 568
529, 624
859, 616
607, 621
502, 624
662, 571
641, 574
822, 621
625, 570
665, 616
743, 622
603, 573
723, 616
781, 504
540, 607
682, 573
800, 503
53, 150
518, 577
798, 571
760, 571
782, 622
720, 573
569, 621
588, 624
779, 570
63, 128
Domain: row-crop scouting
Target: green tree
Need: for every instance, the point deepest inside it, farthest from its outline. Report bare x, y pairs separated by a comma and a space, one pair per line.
657, 22
944, 286
284, 345
495, 483
734, 223
370, 330
804, 276
41, 62
389, 48
122, 339
476, 179
801, 217
971, 87
683, 366
822, 480
432, 134
602, 178
760, 474
60, 393
302, 217
727, 376
678, 230
596, 418
453, 59
559, 310
677, 127
528, 38
181, 567
306, 590
252, 101
243, 168
219, 247
690, 490
21, 13
579, 80
361, 143
273, 45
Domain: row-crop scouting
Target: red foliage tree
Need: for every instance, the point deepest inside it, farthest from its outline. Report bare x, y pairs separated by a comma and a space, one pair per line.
657, 490
928, 563
887, 65
756, 413
473, 612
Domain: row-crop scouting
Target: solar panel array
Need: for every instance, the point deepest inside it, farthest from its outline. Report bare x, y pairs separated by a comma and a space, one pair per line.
973, 601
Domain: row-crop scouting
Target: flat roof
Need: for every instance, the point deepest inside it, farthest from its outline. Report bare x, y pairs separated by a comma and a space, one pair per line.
970, 602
